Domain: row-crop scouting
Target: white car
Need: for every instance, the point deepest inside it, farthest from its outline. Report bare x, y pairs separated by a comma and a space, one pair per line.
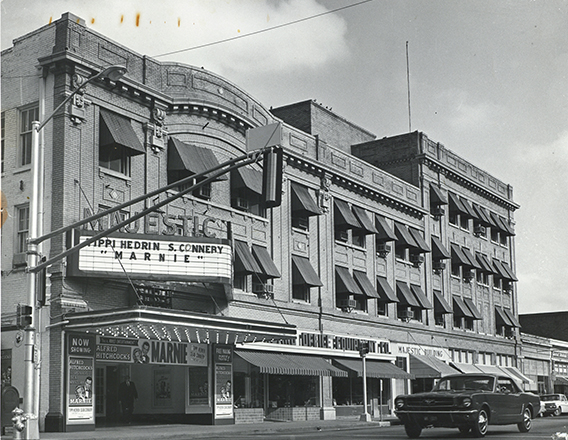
554, 404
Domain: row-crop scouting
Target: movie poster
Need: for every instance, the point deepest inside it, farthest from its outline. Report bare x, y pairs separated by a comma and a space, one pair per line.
80, 397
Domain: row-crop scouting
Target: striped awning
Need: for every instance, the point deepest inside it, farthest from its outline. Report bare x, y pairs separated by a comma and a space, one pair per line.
304, 273
345, 282
440, 303
426, 366
405, 296
117, 130
561, 380
521, 377
364, 220
290, 364
265, 261
188, 157
439, 251
386, 294
248, 178
303, 202
376, 369
245, 263
365, 284
344, 217
385, 232
437, 197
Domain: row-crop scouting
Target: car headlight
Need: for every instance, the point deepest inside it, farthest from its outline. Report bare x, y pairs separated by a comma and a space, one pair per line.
466, 402
399, 403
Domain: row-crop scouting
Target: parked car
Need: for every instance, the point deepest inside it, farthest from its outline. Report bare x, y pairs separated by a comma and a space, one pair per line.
554, 404
469, 402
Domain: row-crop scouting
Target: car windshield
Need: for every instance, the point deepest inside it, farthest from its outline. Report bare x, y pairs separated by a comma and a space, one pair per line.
476, 383
550, 398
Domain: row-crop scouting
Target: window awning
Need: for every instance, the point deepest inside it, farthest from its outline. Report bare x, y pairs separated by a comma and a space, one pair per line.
188, 157
245, 262
183, 326
501, 318
290, 364
302, 201
471, 258
456, 205
265, 261
248, 178
403, 237
501, 272
419, 239
512, 318
440, 303
426, 366
466, 368
421, 296
484, 262
405, 296
365, 284
344, 217
460, 309
376, 369
482, 215
439, 251
502, 224
458, 257
386, 294
303, 271
345, 282
437, 197
117, 130
470, 211
364, 220
509, 271
474, 311
385, 232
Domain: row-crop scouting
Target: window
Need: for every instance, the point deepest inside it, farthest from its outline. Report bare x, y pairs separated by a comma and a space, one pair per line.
27, 116
464, 222
304, 277
3, 137
482, 278
494, 235
344, 220
453, 218
441, 308
22, 228
114, 158
246, 191
303, 207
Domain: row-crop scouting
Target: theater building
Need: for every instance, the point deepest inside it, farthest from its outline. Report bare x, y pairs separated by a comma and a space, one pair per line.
219, 308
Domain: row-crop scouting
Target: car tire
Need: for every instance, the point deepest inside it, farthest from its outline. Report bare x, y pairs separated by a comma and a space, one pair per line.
479, 429
557, 411
412, 430
526, 424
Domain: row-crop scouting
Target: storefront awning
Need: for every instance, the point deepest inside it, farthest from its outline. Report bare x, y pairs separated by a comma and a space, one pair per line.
345, 282
265, 261
303, 271
437, 197
364, 220
376, 369
117, 130
493, 369
385, 232
244, 260
386, 294
439, 251
466, 368
426, 366
303, 202
365, 284
441, 303
290, 364
344, 217
520, 376
188, 157
561, 380
181, 326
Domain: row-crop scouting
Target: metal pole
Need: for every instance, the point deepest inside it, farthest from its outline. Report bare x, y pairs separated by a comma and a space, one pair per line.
365, 417
31, 432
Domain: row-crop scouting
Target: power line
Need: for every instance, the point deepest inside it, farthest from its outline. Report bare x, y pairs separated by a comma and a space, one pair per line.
264, 30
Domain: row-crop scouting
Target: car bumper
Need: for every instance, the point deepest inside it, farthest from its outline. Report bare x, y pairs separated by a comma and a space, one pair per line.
449, 419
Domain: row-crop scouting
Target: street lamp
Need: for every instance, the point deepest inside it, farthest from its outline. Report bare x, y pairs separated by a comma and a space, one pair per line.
31, 431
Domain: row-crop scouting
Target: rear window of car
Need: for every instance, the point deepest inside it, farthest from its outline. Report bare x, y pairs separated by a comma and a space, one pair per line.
550, 398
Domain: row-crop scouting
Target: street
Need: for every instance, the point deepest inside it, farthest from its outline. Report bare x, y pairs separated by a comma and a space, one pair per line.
543, 428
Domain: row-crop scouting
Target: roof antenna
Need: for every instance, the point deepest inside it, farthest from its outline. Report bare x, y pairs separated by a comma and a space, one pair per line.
408, 88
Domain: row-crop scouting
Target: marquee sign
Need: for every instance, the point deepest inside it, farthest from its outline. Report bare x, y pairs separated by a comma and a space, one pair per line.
198, 259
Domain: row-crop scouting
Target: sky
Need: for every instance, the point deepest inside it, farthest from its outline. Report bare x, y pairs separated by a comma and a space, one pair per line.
488, 79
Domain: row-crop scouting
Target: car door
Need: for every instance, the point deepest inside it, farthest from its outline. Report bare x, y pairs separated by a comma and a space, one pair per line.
508, 397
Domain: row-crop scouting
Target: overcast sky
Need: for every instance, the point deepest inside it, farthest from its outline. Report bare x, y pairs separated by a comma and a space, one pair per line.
488, 79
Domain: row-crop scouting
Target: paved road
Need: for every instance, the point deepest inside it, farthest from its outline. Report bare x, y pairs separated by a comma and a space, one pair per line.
542, 429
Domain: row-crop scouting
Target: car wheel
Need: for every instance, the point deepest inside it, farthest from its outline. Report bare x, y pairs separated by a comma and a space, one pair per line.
557, 411
412, 430
479, 429
526, 424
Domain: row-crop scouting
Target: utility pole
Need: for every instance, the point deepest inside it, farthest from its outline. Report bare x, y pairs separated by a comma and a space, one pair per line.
363, 351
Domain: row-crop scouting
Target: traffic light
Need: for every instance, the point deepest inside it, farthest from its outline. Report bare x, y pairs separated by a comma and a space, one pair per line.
364, 348
41, 284
23, 315
272, 177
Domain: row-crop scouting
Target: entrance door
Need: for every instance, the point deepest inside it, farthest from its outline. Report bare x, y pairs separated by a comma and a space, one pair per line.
111, 394
100, 392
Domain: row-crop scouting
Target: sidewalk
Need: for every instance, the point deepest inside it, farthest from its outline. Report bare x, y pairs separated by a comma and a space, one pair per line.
206, 431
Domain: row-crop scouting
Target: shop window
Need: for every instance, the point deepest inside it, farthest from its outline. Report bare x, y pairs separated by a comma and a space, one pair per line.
27, 116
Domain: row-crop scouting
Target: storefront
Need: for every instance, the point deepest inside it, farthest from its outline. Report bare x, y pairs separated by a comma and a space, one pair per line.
180, 364
320, 376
